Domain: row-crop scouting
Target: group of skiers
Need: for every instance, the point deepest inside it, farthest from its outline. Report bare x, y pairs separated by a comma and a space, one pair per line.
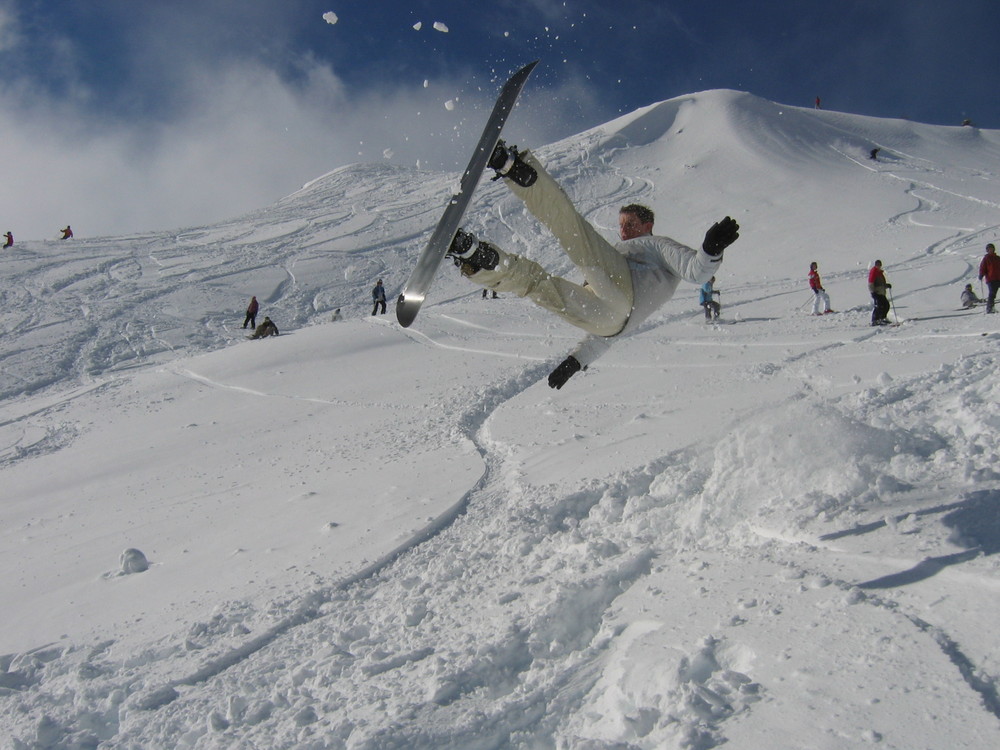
8, 236
265, 329
623, 283
878, 287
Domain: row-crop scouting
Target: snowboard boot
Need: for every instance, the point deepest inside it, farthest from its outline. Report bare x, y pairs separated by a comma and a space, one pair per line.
507, 162
471, 255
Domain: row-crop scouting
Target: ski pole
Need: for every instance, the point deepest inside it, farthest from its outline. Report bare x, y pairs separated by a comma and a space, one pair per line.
892, 305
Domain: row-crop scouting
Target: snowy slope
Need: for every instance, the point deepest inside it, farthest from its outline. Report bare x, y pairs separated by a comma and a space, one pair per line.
779, 530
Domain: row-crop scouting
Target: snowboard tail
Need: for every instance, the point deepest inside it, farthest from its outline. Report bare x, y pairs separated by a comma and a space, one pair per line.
413, 294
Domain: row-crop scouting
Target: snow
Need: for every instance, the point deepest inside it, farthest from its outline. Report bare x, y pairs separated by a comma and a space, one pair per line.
775, 531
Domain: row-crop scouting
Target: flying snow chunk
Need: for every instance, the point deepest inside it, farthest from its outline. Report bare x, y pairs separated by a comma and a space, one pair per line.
449, 105
418, 25
438, 26
330, 17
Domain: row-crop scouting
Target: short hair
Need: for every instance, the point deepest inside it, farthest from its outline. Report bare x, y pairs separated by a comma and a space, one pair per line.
990, 247
642, 213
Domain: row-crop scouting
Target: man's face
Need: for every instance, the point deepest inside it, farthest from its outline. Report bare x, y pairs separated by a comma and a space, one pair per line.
629, 227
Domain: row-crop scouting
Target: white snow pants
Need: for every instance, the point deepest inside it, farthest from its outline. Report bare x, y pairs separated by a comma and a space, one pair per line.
820, 299
603, 305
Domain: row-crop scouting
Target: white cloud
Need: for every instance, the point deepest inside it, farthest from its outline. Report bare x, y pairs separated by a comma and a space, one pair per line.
233, 134
245, 139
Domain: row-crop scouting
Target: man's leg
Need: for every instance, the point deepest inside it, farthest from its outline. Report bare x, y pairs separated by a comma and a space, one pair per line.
882, 308
992, 286
605, 269
575, 304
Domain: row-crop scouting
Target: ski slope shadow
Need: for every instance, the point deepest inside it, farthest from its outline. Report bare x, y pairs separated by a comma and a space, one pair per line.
309, 608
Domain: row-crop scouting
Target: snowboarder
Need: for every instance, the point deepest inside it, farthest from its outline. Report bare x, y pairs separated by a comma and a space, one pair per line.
989, 269
624, 283
712, 308
265, 329
336, 317
378, 297
67, 233
8, 240
820, 297
877, 286
969, 298
251, 317
873, 154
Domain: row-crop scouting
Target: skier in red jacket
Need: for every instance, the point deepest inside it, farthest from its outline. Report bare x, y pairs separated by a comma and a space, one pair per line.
877, 286
820, 297
989, 269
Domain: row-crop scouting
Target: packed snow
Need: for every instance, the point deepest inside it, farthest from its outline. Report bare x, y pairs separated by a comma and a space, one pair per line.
775, 530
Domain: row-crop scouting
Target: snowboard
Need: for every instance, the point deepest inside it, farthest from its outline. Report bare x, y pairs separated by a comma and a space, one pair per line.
413, 294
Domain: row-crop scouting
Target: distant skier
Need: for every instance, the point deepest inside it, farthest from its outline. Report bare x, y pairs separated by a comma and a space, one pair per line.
820, 297
336, 317
251, 317
877, 286
969, 298
712, 308
265, 329
873, 154
8, 240
67, 233
817, 104
378, 297
624, 283
989, 269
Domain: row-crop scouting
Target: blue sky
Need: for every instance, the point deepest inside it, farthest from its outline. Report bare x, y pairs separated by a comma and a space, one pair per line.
121, 115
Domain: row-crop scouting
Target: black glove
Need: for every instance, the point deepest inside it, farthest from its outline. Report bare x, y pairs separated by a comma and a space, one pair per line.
566, 369
888, 286
721, 235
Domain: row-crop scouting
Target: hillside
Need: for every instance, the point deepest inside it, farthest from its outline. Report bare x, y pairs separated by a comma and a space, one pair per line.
778, 530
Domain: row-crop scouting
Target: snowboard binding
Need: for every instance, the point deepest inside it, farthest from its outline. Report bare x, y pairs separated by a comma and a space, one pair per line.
507, 162
471, 255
